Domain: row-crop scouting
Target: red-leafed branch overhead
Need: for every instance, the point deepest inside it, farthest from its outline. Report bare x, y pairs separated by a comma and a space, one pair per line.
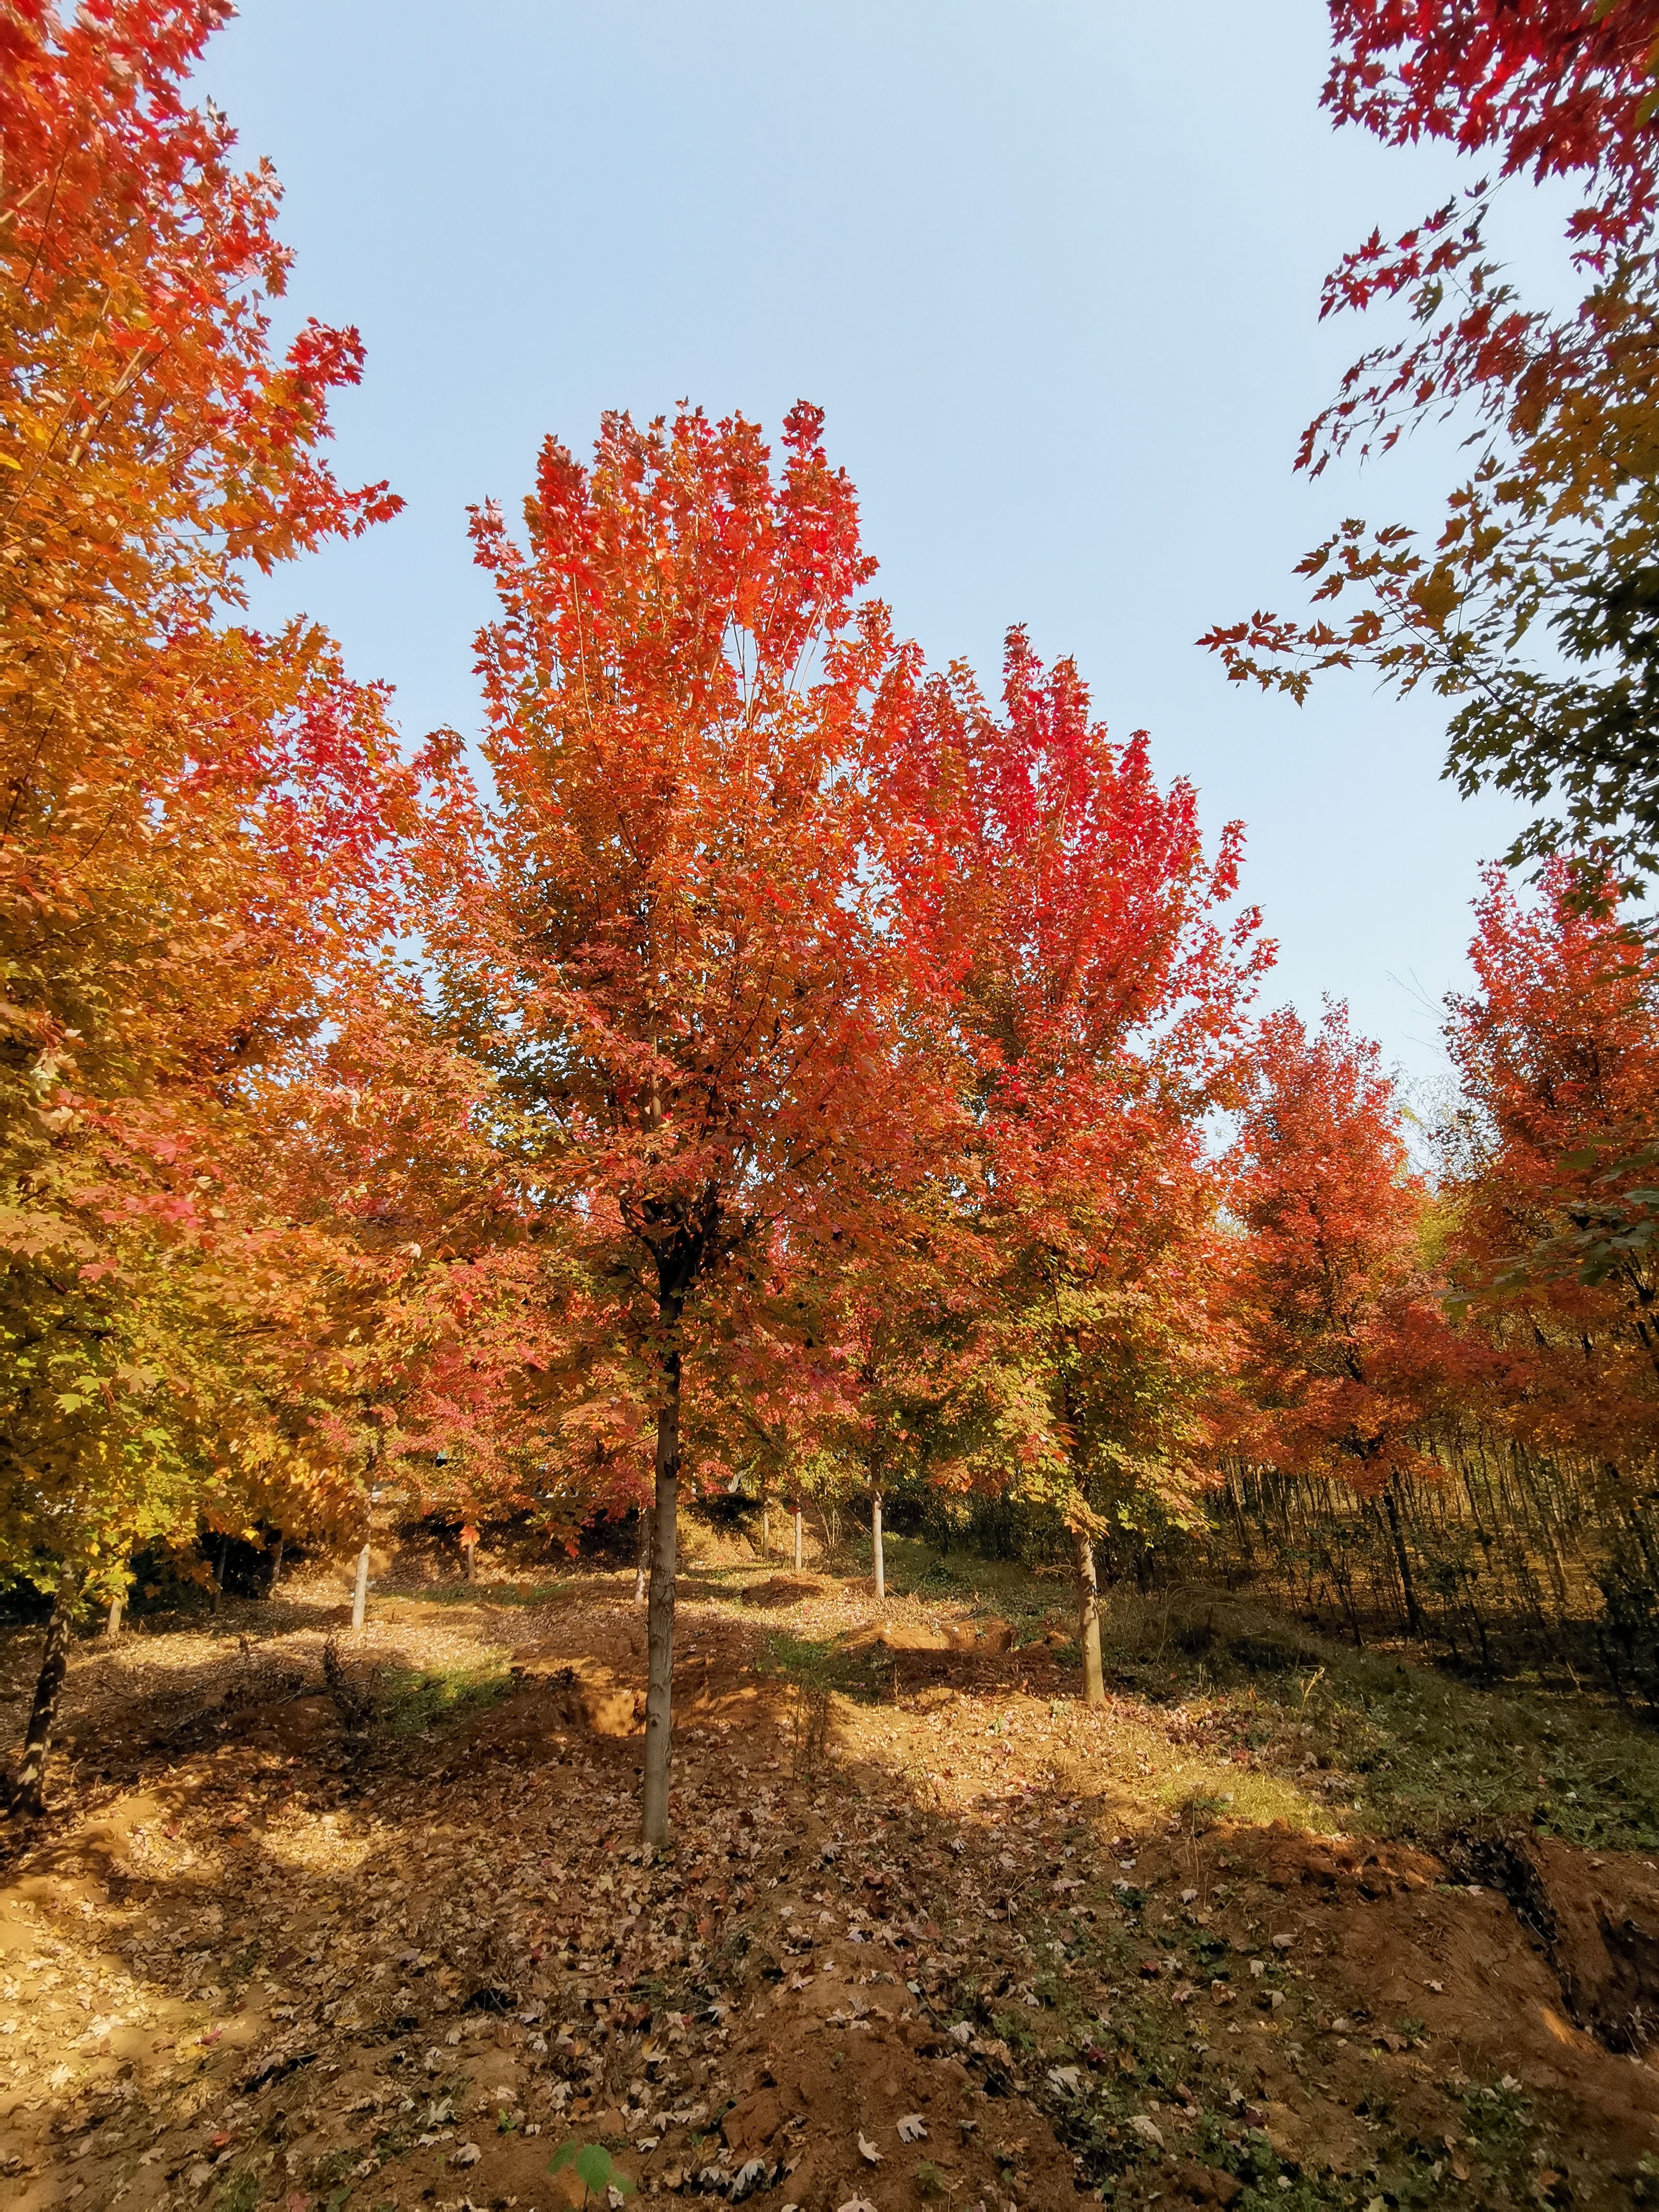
1555, 88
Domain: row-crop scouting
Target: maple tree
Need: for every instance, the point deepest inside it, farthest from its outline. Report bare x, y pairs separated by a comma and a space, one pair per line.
1533, 610
1558, 1050
196, 818
659, 931
911, 1410
1341, 1356
1070, 908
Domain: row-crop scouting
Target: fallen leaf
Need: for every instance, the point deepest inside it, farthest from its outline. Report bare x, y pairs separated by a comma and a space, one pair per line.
911, 2128
1147, 2129
868, 2151
467, 2153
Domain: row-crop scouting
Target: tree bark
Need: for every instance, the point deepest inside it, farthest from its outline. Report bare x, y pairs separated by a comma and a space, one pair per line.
766, 1532
275, 1570
1088, 1618
28, 1793
117, 1607
878, 1552
798, 1537
1413, 1616
219, 1580
642, 1558
659, 1616
360, 1593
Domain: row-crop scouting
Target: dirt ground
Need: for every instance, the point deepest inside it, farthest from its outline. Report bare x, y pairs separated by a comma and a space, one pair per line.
931, 1934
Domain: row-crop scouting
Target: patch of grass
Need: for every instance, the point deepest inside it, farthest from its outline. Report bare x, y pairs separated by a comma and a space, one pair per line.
1366, 1741
1432, 1754
416, 1699
915, 1568
493, 1593
819, 1664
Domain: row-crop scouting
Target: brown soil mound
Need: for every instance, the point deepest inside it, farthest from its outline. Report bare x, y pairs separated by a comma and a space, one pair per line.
842, 2092
1451, 1967
984, 1639
785, 1589
1605, 1945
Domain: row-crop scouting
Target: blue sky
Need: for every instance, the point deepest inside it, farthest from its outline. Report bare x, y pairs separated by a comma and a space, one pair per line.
1052, 266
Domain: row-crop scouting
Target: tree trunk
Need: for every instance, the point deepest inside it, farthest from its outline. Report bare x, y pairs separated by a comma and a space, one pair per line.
275, 1570
359, 1595
219, 1581
798, 1538
1413, 1616
28, 1787
467, 1551
876, 1551
117, 1607
659, 1618
766, 1532
1088, 1618
642, 1558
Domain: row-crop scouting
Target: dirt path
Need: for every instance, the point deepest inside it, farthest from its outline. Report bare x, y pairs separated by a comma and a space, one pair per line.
937, 1936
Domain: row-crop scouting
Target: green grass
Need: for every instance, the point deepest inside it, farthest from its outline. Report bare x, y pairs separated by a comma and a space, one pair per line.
416, 1699
1421, 1752
492, 1593
1433, 1754
915, 1569
816, 1663
1418, 1752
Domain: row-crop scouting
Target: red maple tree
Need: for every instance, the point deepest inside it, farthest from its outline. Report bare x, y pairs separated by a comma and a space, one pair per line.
662, 931
1341, 1354
1558, 1049
1073, 915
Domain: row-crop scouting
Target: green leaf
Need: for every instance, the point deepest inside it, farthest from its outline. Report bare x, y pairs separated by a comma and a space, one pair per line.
594, 2165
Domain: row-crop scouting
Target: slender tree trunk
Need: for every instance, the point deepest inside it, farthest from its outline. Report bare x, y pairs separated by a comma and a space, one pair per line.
117, 1607
276, 1569
878, 1552
219, 1582
28, 1786
360, 1593
798, 1536
467, 1551
659, 1618
766, 1531
1413, 1616
642, 1558
1088, 1618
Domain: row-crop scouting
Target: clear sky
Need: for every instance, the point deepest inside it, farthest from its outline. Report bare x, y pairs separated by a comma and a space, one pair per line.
1052, 266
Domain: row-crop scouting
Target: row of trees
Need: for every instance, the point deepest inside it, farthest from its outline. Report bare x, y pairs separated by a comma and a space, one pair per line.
811, 1071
